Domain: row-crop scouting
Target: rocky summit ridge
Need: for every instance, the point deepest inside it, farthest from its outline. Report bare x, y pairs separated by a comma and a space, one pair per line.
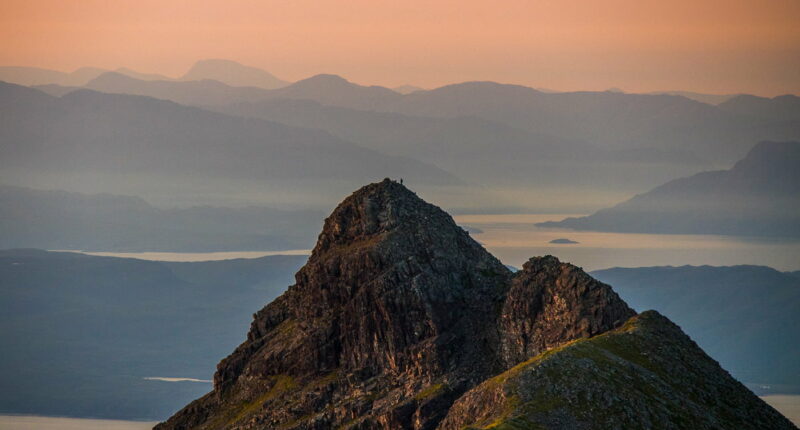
400, 320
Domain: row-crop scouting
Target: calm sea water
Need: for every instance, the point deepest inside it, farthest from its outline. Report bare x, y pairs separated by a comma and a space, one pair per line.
192, 256
21, 422
788, 405
515, 238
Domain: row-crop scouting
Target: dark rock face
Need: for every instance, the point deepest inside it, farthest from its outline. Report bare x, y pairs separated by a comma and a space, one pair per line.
396, 315
550, 302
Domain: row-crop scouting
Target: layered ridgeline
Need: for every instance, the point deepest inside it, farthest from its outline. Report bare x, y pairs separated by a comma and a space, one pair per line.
759, 196
400, 320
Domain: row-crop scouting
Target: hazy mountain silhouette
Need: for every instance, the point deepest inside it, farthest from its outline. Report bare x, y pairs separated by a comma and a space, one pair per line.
666, 124
195, 93
481, 151
143, 76
711, 99
781, 108
55, 90
139, 145
38, 76
759, 196
609, 120
407, 89
80, 333
233, 74
336, 91
226, 71
102, 222
742, 316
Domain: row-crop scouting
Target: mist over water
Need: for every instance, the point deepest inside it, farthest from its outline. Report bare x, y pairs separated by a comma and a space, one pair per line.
514, 238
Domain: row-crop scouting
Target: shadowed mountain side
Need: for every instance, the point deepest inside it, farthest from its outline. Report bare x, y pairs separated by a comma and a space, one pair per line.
759, 196
399, 315
741, 315
80, 333
62, 220
139, 145
232, 73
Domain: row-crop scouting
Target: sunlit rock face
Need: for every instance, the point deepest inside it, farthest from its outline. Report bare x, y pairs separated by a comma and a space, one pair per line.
397, 315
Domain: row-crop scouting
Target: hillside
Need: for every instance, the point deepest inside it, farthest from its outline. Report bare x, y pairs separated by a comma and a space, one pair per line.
759, 196
740, 315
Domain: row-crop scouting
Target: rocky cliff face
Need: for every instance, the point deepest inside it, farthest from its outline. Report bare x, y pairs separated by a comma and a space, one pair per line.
395, 322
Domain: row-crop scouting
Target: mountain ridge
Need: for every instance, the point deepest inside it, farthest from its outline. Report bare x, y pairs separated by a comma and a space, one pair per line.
398, 315
758, 196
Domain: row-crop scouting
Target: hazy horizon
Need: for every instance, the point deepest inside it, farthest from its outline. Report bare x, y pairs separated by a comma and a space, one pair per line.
712, 47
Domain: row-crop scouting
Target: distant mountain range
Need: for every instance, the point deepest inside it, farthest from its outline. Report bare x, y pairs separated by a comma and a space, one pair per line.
747, 317
225, 71
712, 99
660, 123
143, 146
102, 222
39, 76
195, 93
759, 196
232, 73
517, 147
80, 333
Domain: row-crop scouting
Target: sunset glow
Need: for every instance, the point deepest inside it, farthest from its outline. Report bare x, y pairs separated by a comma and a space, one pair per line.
710, 46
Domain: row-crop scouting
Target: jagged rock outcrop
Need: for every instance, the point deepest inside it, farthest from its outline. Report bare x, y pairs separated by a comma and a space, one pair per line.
396, 315
550, 302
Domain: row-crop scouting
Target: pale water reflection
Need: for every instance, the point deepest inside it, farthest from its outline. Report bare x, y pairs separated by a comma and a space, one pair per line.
191, 256
515, 238
788, 405
21, 422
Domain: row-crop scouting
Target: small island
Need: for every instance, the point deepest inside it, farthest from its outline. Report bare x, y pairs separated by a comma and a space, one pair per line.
564, 241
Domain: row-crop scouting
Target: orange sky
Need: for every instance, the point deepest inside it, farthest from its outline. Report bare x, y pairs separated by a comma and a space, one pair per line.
714, 46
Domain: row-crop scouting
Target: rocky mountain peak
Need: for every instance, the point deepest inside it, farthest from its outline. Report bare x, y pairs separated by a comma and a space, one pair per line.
397, 314
376, 210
